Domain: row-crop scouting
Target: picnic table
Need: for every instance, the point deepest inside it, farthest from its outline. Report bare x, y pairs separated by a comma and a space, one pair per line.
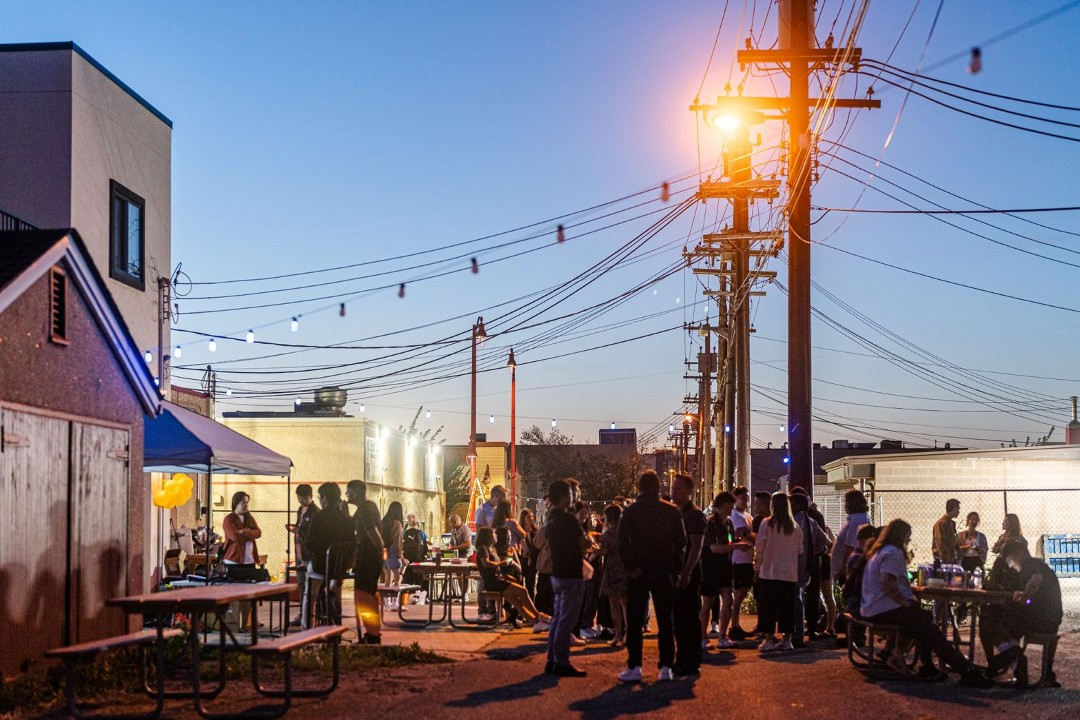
977, 598
447, 581
198, 602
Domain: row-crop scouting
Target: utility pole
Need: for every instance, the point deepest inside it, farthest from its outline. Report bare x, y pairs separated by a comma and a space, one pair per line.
797, 53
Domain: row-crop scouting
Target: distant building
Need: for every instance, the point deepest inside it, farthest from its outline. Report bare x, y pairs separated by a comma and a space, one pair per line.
80, 149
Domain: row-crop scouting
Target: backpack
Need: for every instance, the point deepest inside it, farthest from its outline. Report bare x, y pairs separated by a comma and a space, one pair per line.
412, 545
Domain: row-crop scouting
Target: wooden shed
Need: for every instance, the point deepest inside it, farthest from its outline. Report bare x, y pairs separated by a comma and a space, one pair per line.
74, 392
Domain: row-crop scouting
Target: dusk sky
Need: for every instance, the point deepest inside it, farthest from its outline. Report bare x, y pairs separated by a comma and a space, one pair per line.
404, 139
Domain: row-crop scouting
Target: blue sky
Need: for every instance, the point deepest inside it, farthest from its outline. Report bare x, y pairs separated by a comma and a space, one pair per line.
311, 135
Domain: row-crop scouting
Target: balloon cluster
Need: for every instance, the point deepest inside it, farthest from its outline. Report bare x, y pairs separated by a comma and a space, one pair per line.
174, 492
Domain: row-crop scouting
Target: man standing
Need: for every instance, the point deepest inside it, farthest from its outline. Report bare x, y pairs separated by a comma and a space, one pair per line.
944, 546
485, 517
688, 585
808, 590
369, 562
331, 539
461, 544
305, 511
567, 542
652, 543
742, 560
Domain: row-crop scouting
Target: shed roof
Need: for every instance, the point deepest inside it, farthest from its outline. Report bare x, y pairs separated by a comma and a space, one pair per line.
25, 256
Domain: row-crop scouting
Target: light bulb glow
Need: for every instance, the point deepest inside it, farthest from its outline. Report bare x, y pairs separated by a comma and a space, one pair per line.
361, 407
727, 428
781, 428
148, 357
491, 419
553, 423
228, 391
297, 401
250, 338
427, 414
612, 425
294, 324
212, 345
787, 460
177, 352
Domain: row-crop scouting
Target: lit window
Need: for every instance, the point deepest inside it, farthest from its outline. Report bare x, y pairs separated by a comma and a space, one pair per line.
127, 234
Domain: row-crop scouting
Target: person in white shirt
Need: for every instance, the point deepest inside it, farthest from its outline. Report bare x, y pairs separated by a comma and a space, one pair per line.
779, 545
742, 559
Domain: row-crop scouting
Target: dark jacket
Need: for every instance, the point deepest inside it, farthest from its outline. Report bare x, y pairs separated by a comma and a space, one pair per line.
331, 526
303, 528
652, 537
568, 543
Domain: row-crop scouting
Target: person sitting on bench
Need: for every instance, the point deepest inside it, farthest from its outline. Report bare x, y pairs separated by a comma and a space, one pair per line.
1038, 608
887, 599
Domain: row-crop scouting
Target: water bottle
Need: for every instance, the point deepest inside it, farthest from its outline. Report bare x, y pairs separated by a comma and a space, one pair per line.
977, 578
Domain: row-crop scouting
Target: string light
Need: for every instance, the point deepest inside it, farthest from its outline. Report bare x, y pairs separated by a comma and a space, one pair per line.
148, 357
341, 310
665, 192
781, 427
250, 338
297, 401
212, 345
228, 391
475, 266
294, 325
561, 234
362, 407
613, 425
491, 419
401, 290
553, 423
177, 352
428, 414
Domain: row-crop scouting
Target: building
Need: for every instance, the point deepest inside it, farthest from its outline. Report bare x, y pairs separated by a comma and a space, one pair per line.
74, 393
80, 149
326, 445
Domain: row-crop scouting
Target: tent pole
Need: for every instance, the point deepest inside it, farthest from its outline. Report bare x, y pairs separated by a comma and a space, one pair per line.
209, 516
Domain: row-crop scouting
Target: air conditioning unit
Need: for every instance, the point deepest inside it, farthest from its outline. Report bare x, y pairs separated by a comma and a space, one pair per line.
862, 471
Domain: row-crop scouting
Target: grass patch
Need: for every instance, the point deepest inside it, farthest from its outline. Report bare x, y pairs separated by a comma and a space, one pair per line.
118, 672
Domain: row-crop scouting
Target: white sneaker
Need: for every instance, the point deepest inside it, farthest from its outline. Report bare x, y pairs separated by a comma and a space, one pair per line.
726, 642
785, 645
714, 629
540, 626
768, 645
575, 640
665, 675
632, 675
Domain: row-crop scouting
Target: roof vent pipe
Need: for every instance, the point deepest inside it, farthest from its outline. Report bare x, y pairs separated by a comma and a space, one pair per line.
1072, 430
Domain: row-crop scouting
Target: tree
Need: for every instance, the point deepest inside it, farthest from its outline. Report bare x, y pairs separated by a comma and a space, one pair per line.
455, 484
603, 471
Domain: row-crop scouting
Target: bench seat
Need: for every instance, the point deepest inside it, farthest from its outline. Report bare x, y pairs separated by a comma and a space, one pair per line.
89, 650
296, 640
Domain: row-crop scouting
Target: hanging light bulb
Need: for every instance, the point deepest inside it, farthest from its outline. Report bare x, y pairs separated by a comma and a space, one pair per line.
665, 192
561, 235
475, 266
491, 419
341, 310
361, 407
250, 338
428, 415
975, 64
212, 345
297, 401
613, 425
228, 391
781, 427
148, 357
294, 324
553, 423
176, 352
401, 290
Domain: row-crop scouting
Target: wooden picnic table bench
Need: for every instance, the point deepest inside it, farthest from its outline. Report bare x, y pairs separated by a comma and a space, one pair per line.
87, 652
283, 647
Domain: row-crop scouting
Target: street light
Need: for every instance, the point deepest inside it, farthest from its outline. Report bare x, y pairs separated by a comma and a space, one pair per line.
479, 335
512, 364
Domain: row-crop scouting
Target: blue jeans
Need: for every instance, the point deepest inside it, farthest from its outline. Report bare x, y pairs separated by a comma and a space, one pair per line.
569, 595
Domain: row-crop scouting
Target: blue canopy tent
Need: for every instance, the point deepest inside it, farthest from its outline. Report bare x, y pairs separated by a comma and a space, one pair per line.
179, 440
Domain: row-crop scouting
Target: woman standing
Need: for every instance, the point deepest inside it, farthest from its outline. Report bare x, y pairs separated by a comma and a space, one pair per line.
393, 524
613, 581
1010, 527
972, 544
527, 551
241, 532
776, 564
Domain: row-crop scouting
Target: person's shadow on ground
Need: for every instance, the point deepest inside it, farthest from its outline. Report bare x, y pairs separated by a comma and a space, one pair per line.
531, 687
635, 699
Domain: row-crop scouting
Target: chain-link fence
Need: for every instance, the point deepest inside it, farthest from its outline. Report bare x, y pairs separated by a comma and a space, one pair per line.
1049, 519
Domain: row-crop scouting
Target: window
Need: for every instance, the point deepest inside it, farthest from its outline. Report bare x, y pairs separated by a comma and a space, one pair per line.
58, 306
127, 236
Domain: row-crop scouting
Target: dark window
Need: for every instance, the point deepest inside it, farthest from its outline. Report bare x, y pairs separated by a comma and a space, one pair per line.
127, 234
58, 306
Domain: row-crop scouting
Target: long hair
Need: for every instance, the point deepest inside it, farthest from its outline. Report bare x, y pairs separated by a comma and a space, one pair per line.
503, 512
1012, 525
892, 534
781, 513
238, 497
394, 512
526, 516
485, 537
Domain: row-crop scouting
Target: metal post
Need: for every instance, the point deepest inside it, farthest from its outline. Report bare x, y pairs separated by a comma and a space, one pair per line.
513, 427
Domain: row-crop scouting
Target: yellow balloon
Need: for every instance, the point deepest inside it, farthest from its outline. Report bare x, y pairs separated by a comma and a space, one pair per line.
161, 498
185, 495
170, 485
185, 482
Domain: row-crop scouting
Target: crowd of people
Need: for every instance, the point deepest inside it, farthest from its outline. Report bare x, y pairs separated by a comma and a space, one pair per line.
586, 577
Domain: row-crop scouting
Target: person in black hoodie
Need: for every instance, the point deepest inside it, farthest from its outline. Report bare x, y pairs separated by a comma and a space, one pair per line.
652, 542
331, 526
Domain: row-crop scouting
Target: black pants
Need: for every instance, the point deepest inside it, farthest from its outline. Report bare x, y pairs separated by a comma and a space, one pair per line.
776, 606
528, 576
662, 589
545, 597
919, 625
688, 626
812, 597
